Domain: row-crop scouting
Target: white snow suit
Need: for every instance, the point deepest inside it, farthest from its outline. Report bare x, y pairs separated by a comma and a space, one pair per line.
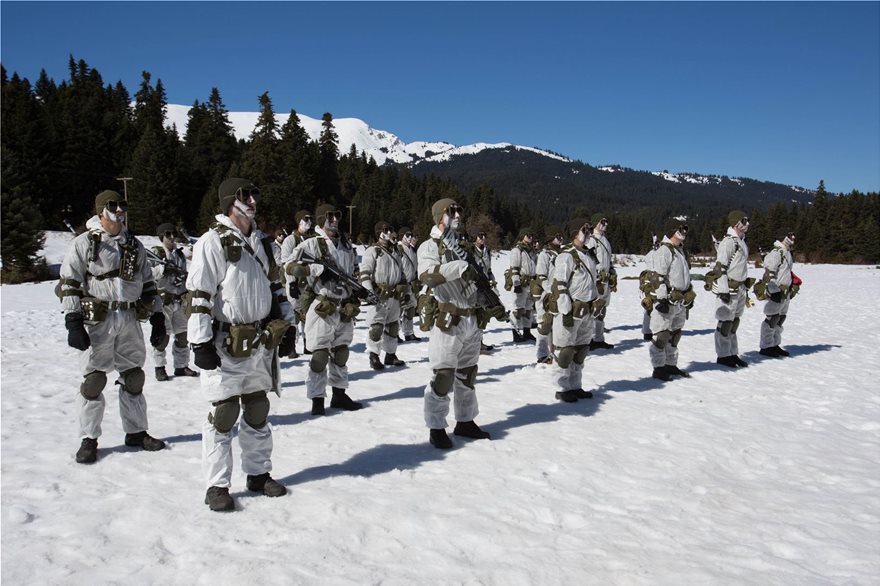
606, 279
522, 271
410, 264
172, 288
382, 272
541, 285
777, 272
673, 271
733, 259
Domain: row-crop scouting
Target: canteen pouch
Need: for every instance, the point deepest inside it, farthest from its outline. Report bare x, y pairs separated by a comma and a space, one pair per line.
93, 309
241, 340
274, 332
427, 308
349, 311
325, 307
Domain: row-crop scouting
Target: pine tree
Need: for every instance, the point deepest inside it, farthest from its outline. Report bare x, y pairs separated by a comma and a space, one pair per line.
299, 161
262, 164
327, 187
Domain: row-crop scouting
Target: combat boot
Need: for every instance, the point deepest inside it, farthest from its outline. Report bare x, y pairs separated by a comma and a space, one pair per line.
439, 439
342, 401
486, 350
88, 451
393, 360
782, 352
161, 375
265, 484
375, 363
676, 371
739, 361
470, 429
729, 361
144, 441
770, 351
567, 396
412, 338
517, 337
582, 394
660, 373
597, 345
527, 335
318, 406
218, 499
185, 371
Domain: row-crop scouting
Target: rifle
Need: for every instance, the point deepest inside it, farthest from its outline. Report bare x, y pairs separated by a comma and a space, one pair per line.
484, 287
359, 290
179, 274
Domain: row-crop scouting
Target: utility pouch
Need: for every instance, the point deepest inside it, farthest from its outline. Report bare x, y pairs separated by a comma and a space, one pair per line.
648, 304
231, 248
143, 309
401, 291
483, 317
93, 309
546, 324
600, 287
508, 280
274, 332
427, 308
306, 299
760, 290
536, 289
325, 306
580, 308
445, 321
749, 282
689, 297
550, 304
676, 296
349, 311
241, 341
713, 276
128, 263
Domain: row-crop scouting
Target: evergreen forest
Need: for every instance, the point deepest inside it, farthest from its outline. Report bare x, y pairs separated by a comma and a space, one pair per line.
62, 143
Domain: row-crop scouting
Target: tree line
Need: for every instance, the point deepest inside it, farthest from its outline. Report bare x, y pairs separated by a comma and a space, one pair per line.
62, 143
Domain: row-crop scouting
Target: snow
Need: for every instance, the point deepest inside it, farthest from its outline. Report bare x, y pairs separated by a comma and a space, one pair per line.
765, 475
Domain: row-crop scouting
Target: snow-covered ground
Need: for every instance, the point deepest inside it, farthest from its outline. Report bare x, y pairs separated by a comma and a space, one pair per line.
766, 475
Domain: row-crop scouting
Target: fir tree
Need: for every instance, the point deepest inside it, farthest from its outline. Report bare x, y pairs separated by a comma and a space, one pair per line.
262, 164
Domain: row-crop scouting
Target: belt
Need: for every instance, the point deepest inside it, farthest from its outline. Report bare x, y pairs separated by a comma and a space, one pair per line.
455, 310
114, 305
223, 326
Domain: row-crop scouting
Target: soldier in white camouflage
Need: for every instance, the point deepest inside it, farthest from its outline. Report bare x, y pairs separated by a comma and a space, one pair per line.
382, 272
406, 250
454, 342
518, 279
540, 289
732, 288
606, 277
169, 271
780, 285
296, 287
106, 287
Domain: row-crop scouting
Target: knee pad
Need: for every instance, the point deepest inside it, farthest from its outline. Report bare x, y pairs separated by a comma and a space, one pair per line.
565, 356
375, 332
442, 381
162, 344
735, 326
772, 320
319, 360
180, 340
725, 327
392, 329
660, 339
676, 336
467, 376
781, 319
134, 380
225, 414
340, 355
581, 353
92, 385
256, 409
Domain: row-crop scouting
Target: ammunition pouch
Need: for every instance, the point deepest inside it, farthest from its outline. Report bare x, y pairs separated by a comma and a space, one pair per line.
648, 303
427, 308
241, 340
579, 309
231, 248
484, 314
760, 290
325, 306
536, 289
349, 310
598, 307
93, 309
449, 316
144, 309
508, 280
713, 276
686, 297
306, 299
793, 290
545, 326
274, 333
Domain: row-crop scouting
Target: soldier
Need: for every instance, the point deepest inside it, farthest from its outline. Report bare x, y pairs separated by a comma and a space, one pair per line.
731, 287
170, 276
239, 319
276, 245
670, 280
575, 302
382, 273
517, 279
779, 289
540, 288
483, 256
406, 250
106, 282
296, 286
454, 341
647, 303
330, 317
607, 277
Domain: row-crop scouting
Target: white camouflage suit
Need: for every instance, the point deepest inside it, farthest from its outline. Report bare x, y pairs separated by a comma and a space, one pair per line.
172, 288
522, 271
606, 275
234, 292
574, 283
382, 273
542, 283
649, 266
670, 264
453, 348
733, 257
293, 292
334, 331
117, 342
410, 265
777, 270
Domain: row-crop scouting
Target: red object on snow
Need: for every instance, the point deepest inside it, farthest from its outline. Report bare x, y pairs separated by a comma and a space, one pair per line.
795, 280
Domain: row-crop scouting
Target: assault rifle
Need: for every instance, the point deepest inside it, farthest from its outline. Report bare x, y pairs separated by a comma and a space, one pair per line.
485, 292
179, 274
330, 266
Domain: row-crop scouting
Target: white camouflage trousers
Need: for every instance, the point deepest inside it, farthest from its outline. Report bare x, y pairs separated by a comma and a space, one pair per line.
327, 333
772, 335
457, 348
670, 321
731, 311
175, 323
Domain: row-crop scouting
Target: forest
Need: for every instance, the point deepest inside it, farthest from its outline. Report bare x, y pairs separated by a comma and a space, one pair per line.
62, 143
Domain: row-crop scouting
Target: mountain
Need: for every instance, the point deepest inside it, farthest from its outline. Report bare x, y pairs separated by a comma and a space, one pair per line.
547, 182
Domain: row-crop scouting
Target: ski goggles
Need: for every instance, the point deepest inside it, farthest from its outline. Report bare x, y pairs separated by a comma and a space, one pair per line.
744, 221
481, 235
408, 235
120, 205
306, 219
455, 209
170, 235
603, 222
334, 215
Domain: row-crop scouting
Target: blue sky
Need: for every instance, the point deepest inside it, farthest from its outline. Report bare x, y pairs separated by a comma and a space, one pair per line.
786, 92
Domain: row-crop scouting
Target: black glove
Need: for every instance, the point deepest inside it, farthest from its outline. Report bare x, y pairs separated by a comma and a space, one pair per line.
776, 297
205, 356
724, 297
362, 293
662, 306
157, 320
470, 274
77, 336
568, 320
287, 342
517, 289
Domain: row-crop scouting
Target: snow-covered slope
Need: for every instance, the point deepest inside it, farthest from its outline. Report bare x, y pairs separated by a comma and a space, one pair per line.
380, 144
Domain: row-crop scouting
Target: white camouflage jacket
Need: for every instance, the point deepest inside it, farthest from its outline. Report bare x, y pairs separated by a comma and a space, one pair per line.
777, 266
381, 267
733, 256
574, 276
409, 261
167, 280
231, 291
442, 262
522, 264
102, 278
322, 246
544, 267
670, 263
602, 248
